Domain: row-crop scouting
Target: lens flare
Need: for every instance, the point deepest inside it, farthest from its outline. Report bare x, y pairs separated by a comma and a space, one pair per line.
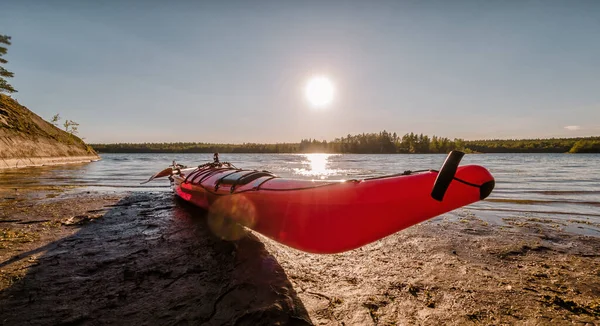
228, 216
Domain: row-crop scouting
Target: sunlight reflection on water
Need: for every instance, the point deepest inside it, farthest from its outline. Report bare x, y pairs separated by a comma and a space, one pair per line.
316, 165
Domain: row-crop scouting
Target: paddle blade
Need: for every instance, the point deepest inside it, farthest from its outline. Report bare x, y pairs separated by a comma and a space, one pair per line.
163, 173
446, 175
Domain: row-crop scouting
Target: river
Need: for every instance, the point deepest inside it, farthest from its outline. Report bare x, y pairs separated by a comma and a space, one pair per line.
559, 188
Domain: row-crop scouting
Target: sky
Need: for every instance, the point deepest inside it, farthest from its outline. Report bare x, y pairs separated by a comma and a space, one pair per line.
236, 71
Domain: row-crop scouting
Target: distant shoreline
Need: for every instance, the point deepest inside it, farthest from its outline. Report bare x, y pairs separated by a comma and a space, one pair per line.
332, 153
372, 143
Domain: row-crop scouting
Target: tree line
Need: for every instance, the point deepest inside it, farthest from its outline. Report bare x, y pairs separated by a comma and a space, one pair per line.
383, 143
371, 143
552, 145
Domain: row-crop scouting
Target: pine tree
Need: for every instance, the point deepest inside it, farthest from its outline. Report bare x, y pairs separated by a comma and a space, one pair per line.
5, 87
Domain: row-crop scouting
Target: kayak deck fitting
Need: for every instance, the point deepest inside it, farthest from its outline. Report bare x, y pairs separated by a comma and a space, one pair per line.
327, 216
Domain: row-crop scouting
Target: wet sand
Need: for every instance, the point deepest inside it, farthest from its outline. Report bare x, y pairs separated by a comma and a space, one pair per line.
146, 258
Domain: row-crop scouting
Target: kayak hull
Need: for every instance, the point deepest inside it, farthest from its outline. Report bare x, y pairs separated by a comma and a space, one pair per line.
325, 216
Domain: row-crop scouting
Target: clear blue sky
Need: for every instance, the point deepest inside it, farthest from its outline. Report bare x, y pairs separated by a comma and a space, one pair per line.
234, 71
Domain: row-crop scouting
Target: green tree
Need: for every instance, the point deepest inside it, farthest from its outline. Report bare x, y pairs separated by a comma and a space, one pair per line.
585, 146
5, 87
71, 127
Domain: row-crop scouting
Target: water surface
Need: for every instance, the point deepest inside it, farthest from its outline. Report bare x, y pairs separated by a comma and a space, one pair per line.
559, 187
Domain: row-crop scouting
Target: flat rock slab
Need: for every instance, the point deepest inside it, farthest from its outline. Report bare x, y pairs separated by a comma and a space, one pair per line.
148, 260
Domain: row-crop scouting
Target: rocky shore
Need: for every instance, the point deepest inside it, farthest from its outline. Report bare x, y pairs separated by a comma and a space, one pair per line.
97, 258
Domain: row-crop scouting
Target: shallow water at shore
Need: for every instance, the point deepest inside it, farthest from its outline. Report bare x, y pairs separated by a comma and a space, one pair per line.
559, 187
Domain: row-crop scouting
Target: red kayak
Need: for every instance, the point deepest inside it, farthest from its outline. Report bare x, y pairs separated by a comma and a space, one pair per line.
328, 216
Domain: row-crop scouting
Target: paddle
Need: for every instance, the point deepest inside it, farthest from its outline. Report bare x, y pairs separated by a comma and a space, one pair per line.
446, 175
163, 173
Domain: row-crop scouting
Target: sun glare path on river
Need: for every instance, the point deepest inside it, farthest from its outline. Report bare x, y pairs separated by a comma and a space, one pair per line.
317, 165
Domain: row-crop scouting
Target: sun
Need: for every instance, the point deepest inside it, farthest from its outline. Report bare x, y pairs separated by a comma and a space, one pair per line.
319, 91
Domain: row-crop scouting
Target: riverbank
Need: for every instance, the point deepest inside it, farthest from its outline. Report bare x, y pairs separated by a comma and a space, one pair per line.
76, 257
15, 163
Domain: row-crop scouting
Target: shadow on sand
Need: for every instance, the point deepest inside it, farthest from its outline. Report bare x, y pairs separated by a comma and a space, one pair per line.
150, 260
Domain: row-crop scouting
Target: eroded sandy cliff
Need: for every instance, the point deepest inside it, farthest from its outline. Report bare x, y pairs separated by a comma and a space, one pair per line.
28, 140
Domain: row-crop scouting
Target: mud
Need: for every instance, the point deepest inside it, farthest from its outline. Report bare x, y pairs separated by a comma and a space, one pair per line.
147, 258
